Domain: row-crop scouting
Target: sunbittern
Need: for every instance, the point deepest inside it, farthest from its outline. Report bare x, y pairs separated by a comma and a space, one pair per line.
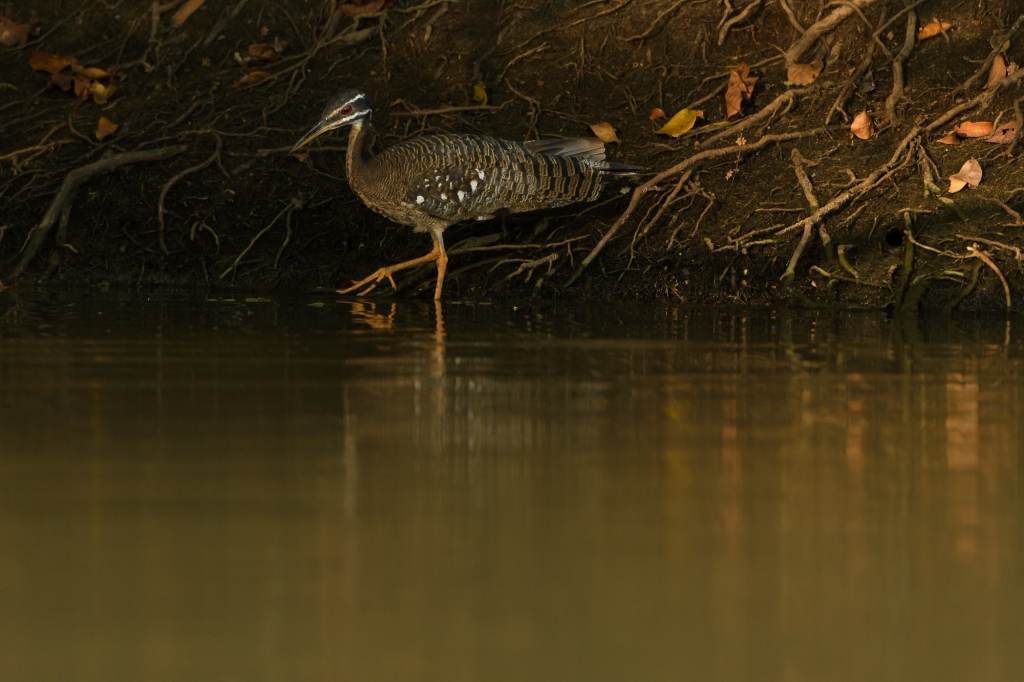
435, 181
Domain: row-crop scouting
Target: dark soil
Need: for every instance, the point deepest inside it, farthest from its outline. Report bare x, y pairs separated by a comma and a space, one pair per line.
551, 68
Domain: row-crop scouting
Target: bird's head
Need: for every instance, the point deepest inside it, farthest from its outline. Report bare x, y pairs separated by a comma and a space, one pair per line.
346, 108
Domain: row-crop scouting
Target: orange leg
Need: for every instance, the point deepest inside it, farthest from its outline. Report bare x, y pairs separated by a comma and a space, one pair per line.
436, 254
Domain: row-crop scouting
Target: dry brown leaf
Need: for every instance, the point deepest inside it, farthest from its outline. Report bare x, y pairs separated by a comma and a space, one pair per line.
13, 34
353, 10
681, 122
974, 129
105, 127
90, 72
605, 132
970, 174
804, 74
1004, 134
950, 139
51, 63
101, 93
931, 29
657, 113
997, 72
185, 11
251, 78
741, 87
861, 126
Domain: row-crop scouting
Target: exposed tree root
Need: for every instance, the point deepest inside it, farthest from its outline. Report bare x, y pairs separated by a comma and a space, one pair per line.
821, 27
72, 181
170, 183
896, 96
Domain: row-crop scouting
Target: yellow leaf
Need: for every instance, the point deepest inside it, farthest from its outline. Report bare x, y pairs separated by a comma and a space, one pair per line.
90, 72
605, 132
105, 127
480, 94
681, 122
101, 93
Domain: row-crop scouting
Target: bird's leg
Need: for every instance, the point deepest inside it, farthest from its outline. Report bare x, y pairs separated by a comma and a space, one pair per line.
442, 264
436, 254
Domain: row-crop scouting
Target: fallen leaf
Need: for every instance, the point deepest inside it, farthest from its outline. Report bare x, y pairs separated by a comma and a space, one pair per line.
804, 74
185, 11
251, 78
605, 132
90, 72
51, 63
206, 61
970, 174
82, 86
681, 122
1003, 134
480, 93
950, 139
101, 93
353, 10
931, 29
264, 51
13, 34
657, 113
974, 129
861, 126
997, 72
105, 127
741, 87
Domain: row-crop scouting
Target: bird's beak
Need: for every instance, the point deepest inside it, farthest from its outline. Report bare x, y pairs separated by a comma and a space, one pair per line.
318, 130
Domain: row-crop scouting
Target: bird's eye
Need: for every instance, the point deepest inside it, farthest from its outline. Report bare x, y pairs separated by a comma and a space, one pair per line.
347, 109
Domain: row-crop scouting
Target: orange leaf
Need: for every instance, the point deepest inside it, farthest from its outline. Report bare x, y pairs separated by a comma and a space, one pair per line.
975, 129
51, 63
656, 113
185, 11
997, 72
804, 74
13, 34
605, 132
353, 10
105, 127
970, 174
1004, 133
251, 78
740, 88
950, 139
932, 29
90, 72
861, 126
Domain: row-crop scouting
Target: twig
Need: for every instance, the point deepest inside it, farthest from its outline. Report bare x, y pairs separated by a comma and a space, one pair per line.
170, 183
687, 164
855, 78
896, 95
224, 21
821, 27
295, 203
657, 22
1017, 222
986, 65
747, 12
978, 253
785, 99
72, 181
983, 99
444, 110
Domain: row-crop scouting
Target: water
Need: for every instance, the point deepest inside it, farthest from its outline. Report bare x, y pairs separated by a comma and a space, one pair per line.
273, 490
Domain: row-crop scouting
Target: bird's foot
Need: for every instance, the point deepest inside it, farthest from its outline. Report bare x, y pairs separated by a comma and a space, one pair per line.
373, 280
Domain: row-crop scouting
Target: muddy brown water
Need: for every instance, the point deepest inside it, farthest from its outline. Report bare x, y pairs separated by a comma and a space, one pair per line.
314, 489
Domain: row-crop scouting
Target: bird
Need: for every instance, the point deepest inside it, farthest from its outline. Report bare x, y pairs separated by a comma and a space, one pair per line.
434, 181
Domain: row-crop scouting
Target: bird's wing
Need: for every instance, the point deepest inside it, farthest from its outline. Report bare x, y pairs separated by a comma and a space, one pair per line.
464, 177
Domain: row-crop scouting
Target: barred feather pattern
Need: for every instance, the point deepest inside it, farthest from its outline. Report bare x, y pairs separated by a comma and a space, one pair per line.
434, 181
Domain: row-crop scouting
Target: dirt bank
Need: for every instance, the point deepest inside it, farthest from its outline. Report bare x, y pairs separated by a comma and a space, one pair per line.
212, 198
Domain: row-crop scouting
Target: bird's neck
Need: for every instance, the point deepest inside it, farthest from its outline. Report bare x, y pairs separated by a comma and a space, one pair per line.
355, 165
